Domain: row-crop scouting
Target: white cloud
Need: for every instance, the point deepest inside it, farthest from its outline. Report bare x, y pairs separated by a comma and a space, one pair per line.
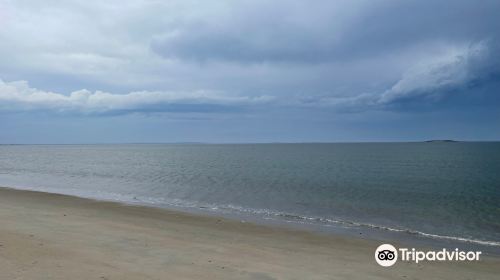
436, 77
19, 96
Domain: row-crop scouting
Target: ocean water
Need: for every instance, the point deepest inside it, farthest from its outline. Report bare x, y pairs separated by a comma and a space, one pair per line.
435, 190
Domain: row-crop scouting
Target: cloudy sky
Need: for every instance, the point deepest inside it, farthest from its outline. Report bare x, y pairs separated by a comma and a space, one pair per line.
80, 71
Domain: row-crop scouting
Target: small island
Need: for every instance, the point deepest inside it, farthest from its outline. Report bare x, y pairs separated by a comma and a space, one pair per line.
441, 141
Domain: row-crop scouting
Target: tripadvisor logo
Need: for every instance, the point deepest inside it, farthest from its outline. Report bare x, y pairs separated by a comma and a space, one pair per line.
387, 255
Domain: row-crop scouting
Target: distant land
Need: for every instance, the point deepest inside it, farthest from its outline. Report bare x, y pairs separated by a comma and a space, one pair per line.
444, 140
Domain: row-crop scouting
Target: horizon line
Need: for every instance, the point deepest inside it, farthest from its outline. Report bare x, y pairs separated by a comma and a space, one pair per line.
247, 143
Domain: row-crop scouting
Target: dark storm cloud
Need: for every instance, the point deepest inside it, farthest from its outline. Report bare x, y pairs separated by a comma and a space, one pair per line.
474, 74
471, 74
320, 31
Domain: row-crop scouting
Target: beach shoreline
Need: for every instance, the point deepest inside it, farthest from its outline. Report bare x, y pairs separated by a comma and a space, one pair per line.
53, 236
344, 228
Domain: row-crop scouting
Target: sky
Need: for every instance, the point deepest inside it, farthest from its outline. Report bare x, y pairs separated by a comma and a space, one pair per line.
128, 71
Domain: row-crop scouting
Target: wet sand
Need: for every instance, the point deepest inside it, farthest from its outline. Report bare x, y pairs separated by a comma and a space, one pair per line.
50, 236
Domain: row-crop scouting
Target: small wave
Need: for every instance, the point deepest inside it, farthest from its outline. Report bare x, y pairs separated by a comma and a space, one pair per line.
327, 221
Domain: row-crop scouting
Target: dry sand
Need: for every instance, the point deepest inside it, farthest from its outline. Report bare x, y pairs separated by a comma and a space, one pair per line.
48, 236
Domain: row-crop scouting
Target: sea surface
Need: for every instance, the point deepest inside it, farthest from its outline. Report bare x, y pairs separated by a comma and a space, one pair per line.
443, 191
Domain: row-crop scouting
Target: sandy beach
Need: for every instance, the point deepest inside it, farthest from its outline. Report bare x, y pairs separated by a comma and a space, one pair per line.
49, 236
